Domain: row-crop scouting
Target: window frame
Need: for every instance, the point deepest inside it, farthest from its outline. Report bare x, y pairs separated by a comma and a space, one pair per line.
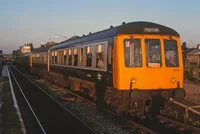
146, 49
141, 48
73, 58
178, 61
68, 63
96, 53
83, 46
86, 54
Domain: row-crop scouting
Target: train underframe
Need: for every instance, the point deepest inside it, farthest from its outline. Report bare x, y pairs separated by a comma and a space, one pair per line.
132, 102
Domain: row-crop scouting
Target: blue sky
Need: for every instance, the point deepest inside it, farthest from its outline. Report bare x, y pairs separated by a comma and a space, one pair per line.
25, 21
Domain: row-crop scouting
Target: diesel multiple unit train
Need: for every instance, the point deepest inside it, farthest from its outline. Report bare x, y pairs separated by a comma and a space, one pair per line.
139, 63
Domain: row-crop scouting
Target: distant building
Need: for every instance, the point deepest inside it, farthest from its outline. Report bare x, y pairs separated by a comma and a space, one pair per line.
193, 57
52, 43
198, 46
5, 56
26, 48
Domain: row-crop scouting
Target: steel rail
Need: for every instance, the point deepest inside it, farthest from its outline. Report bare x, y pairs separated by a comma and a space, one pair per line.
42, 128
15, 103
143, 128
55, 100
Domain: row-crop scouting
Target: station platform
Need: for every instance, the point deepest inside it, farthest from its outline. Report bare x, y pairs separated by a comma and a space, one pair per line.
10, 121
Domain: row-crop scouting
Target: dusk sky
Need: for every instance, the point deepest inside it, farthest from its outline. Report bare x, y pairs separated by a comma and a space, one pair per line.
35, 21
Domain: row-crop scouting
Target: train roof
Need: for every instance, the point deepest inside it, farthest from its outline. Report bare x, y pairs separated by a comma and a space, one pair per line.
129, 28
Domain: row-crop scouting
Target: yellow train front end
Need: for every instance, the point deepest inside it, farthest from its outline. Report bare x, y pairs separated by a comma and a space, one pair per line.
147, 71
151, 62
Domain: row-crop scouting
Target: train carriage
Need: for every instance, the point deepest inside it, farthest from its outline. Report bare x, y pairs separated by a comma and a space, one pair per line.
39, 60
138, 62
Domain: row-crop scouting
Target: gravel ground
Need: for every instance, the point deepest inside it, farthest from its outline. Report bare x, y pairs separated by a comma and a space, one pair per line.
101, 122
192, 92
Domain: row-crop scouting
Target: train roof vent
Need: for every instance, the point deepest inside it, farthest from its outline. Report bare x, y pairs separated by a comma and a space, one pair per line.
111, 26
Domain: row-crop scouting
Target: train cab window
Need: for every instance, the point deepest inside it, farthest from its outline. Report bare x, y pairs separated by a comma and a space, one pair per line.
75, 55
81, 57
65, 57
171, 53
70, 57
153, 53
100, 62
88, 56
132, 53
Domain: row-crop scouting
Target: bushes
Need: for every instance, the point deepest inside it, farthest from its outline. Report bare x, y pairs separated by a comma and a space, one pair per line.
192, 74
188, 74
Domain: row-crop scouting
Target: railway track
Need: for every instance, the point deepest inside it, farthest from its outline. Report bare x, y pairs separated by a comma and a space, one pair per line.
48, 116
160, 124
140, 128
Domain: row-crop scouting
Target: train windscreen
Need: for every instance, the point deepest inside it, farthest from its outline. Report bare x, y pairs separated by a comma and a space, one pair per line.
153, 53
132, 52
171, 53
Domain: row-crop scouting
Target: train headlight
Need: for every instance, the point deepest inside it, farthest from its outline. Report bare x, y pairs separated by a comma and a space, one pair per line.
173, 80
133, 80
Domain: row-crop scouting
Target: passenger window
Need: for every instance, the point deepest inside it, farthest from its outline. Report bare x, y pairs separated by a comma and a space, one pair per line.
70, 57
81, 56
45, 58
75, 55
153, 53
132, 53
61, 57
52, 58
88, 56
100, 62
56, 57
65, 57
42, 56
